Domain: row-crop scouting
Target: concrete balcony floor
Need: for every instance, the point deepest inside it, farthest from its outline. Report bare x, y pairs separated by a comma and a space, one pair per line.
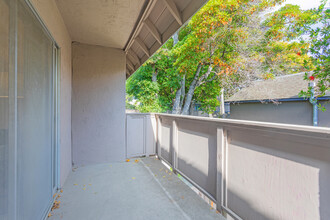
130, 190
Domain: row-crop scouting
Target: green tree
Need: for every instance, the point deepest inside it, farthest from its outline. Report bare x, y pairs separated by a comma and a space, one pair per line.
209, 53
311, 28
224, 46
152, 83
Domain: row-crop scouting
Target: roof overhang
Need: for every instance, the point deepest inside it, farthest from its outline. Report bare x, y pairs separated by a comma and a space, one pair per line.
160, 20
139, 27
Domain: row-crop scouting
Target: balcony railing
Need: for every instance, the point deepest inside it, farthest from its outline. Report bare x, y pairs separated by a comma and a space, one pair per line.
251, 170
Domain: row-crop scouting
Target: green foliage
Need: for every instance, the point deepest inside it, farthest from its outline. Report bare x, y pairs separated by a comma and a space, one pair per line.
128, 103
311, 28
228, 36
319, 38
153, 96
144, 90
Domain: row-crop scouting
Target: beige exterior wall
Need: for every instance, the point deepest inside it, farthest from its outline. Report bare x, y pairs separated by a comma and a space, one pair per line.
300, 113
49, 13
140, 135
98, 104
324, 117
255, 170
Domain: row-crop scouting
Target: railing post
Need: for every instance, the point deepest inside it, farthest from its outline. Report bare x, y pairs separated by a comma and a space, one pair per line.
221, 169
153, 124
145, 130
158, 136
174, 144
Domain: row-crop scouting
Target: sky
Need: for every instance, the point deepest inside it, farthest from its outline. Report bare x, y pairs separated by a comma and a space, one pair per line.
304, 4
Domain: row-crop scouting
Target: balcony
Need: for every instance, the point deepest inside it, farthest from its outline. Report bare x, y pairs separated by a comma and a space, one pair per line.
243, 169
139, 189
64, 135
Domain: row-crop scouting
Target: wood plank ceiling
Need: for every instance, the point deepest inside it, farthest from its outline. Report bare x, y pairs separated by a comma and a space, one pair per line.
159, 21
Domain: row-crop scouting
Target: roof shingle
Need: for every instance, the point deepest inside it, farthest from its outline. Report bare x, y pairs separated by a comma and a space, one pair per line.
282, 87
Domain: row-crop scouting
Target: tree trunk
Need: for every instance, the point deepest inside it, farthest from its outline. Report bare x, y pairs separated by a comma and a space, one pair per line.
176, 104
204, 77
183, 91
175, 38
179, 97
191, 91
222, 104
191, 108
154, 76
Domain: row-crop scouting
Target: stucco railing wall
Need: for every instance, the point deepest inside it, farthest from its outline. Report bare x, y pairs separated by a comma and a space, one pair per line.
140, 135
252, 170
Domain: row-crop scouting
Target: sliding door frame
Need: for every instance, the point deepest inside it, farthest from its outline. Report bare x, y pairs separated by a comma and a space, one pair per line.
12, 122
12, 127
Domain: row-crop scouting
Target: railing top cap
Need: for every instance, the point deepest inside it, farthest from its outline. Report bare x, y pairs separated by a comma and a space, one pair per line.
246, 123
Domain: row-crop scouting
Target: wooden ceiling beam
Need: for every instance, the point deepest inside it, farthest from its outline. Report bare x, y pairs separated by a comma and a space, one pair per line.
146, 13
133, 55
127, 73
153, 30
142, 46
171, 6
129, 64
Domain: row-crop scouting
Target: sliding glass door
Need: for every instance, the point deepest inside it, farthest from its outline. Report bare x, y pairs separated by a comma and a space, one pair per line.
4, 105
27, 113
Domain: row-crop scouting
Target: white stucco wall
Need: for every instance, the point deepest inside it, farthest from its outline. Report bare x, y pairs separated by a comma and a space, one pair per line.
49, 13
98, 104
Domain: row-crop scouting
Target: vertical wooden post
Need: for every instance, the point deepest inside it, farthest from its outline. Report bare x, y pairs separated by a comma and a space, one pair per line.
158, 136
145, 130
221, 169
153, 124
174, 144
222, 104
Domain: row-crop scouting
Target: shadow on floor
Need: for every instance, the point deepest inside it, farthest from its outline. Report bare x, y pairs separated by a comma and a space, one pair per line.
141, 189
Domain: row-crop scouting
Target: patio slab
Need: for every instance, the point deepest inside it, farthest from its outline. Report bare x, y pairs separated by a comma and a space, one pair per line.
142, 189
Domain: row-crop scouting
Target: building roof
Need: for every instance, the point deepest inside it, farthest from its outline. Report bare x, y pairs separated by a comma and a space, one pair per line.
283, 87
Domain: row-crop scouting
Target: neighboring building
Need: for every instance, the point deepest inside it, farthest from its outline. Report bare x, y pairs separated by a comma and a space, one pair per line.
277, 101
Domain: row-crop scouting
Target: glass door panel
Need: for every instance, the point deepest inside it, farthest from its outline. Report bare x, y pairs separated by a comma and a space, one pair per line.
35, 118
4, 106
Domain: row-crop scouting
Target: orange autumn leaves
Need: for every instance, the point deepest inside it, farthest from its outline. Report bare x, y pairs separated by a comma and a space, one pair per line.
135, 161
56, 203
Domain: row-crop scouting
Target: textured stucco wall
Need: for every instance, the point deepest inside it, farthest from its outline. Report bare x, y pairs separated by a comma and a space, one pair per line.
324, 117
300, 113
256, 170
49, 13
98, 104
140, 134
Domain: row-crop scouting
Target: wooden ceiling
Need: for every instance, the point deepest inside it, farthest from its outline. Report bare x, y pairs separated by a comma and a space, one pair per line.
159, 21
